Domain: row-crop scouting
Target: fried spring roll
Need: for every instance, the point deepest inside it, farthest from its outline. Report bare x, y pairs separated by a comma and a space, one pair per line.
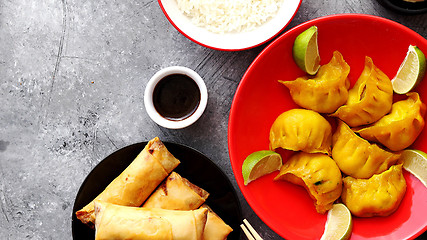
177, 193
122, 222
134, 185
216, 228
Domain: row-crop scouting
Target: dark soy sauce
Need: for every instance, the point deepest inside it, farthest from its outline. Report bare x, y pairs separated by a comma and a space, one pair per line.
176, 97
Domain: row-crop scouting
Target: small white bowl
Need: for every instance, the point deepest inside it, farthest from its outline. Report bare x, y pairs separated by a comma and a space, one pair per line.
175, 124
230, 41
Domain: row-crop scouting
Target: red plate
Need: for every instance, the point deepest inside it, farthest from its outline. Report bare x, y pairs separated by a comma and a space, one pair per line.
259, 99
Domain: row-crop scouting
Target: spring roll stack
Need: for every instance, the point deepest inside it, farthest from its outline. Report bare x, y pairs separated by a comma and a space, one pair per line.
150, 201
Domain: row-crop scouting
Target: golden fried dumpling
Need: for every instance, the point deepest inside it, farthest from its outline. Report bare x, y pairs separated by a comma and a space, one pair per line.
370, 98
401, 127
318, 173
379, 195
327, 91
301, 130
357, 157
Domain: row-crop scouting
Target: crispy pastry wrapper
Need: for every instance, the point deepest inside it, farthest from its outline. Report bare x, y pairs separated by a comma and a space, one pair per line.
216, 228
134, 185
177, 193
123, 222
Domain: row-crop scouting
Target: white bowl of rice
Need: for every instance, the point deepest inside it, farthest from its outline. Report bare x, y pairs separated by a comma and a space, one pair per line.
230, 25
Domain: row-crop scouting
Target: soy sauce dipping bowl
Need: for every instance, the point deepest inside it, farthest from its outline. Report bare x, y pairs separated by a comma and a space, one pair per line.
174, 123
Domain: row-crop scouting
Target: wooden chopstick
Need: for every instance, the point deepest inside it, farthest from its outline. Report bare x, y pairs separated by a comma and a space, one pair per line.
251, 234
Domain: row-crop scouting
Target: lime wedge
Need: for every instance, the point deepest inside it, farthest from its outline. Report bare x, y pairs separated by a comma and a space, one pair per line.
259, 164
410, 72
415, 162
306, 51
339, 224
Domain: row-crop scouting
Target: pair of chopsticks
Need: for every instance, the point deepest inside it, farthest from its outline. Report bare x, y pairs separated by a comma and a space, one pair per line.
251, 234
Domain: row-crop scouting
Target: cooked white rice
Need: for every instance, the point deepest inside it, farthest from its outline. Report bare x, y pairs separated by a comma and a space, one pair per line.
222, 16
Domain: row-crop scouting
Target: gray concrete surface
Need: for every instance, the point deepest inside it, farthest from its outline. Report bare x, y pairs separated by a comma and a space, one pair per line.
72, 76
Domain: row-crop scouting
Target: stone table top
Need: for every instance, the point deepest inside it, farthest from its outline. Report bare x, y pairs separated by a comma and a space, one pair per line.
72, 77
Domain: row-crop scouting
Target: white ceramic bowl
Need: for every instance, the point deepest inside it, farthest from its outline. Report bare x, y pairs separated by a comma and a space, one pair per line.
175, 124
230, 41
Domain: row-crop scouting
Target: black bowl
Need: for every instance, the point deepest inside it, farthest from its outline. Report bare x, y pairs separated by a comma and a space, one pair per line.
405, 7
194, 166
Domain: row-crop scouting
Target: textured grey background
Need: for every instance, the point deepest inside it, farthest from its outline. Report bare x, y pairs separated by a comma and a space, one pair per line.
72, 76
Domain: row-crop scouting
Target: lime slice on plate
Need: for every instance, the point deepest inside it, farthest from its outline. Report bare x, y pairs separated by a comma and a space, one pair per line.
410, 72
306, 52
415, 162
339, 224
260, 163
